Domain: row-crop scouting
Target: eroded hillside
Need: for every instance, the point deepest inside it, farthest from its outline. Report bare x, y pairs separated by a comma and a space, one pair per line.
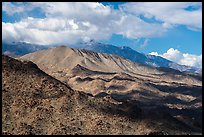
36, 103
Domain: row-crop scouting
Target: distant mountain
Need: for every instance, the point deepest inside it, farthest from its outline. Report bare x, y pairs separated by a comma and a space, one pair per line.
62, 61
14, 49
161, 93
127, 52
34, 103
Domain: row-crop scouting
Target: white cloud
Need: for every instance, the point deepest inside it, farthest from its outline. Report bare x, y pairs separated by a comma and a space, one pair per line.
70, 22
18, 7
146, 41
50, 31
154, 53
11, 9
170, 13
181, 58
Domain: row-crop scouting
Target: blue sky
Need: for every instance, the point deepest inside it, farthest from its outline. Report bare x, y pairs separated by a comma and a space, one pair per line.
180, 38
170, 30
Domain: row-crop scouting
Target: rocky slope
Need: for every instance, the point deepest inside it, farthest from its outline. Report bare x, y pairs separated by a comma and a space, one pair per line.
61, 60
105, 75
15, 49
35, 103
127, 52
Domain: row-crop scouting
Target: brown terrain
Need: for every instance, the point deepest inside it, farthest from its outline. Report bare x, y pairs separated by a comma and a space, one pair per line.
82, 92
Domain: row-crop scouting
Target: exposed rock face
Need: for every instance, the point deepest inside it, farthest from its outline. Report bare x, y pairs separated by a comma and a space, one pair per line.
63, 60
127, 52
15, 49
104, 75
36, 103
126, 102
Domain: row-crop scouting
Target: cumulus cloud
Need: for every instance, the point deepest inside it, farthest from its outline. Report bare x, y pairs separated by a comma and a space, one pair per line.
170, 13
17, 7
11, 9
50, 31
181, 58
70, 22
154, 53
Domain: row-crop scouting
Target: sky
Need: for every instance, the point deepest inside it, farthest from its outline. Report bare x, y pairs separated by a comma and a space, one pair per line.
172, 30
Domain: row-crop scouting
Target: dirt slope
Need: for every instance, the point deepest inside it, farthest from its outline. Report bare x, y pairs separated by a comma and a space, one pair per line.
36, 103
61, 60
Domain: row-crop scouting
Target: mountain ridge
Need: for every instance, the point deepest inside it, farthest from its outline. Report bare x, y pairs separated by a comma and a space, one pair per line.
35, 103
126, 52
67, 58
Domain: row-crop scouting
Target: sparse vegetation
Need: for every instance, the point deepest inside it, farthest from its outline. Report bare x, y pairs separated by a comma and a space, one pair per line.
35, 103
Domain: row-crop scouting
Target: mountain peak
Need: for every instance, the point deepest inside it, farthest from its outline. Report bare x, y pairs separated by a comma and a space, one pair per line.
22, 48
93, 103
131, 54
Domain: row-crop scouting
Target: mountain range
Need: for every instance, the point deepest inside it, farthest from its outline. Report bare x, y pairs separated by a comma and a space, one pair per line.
127, 52
19, 48
15, 49
63, 91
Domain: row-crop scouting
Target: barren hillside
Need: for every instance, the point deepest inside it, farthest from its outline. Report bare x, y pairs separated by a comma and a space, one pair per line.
36, 103
59, 62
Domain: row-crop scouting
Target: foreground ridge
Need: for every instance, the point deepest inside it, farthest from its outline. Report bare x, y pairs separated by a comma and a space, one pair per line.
36, 103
